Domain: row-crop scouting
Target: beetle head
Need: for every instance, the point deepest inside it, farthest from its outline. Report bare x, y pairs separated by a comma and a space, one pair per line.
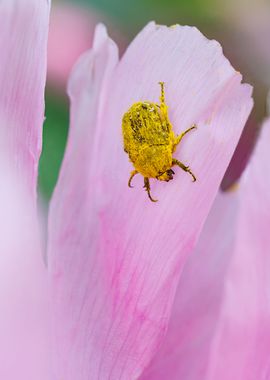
166, 176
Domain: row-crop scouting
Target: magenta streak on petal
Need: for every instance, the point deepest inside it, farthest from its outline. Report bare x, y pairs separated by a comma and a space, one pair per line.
23, 43
184, 353
116, 258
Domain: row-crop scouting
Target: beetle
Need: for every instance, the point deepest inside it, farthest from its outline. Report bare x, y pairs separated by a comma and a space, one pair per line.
150, 141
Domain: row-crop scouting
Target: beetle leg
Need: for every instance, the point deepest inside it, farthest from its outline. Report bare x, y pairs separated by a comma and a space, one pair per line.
147, 188
184, 167
179, 138
132, 174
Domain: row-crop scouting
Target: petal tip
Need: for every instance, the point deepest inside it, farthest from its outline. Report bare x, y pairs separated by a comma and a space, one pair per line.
100, 36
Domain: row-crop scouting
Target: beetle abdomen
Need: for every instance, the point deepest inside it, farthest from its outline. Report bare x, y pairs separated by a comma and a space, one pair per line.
153, 160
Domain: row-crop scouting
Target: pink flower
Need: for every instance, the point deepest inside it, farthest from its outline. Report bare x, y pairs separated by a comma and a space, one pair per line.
129, 253
120, 307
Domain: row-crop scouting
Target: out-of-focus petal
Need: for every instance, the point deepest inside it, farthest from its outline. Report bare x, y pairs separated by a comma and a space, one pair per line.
115, 257
70, 35
23, 45
242, 344
23, 284
184, 353
24, 319
242, 153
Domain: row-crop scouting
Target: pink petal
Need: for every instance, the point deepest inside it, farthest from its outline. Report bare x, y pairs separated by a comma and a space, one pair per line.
242, 345
219, 327
23, 283
24, 345
70, 35
184, 354
242, 153
89, 77
23, 40
115, 257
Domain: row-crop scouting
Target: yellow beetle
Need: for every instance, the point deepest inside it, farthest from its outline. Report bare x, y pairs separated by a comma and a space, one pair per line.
150, 141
